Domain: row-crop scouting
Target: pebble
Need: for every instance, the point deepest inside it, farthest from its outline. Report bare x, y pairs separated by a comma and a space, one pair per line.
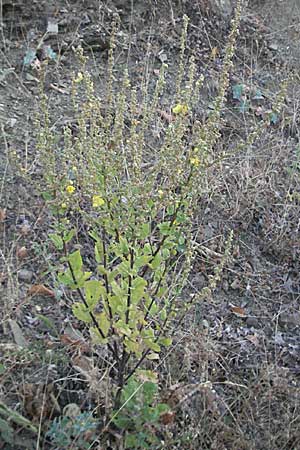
252, 322
25, 275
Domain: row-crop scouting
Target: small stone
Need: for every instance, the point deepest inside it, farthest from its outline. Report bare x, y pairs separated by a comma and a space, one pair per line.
289, 320
252, 322
52, 27
225, 286
25, 275
235, 284
199, 281
273, 46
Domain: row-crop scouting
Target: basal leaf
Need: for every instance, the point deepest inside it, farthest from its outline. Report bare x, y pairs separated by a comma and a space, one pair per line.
57, 241
237, 91
69, 235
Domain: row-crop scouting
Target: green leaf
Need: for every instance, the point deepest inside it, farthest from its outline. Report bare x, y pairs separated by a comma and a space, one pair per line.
57, 241
152, 345
165, 341
69, 235
165, 253
237, 91
93, 291
141, 261
96, 336
243, 106
132, 441
104, 323
99, 252
147, 249
147, 375
258, 95
6, 432
117, 289
124, 268
49, 323
152, 356
75, 261
123, 328
101, 269
164, 228
138, 289
163, 314
144, 231
123, 247
162, 290
156, 261
17, 418
171, 209
153, 310
65, 278
81, 313
29, 57
133, 346
274, 118
47, 196
117, 304
94, 235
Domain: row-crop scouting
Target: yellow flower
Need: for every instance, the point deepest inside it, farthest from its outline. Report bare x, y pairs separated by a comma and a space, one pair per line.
180, 109
98, 201
79, 78
195, 161
160, 193
70, 189
64, 205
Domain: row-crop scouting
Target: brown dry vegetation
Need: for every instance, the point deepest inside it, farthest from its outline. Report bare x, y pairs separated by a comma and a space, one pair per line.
232, 375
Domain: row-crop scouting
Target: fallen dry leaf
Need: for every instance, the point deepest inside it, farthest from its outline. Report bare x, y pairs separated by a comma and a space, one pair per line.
238, 311
40, 289
167, 116
25, 229
254, 339
77, 343
39, 400
167, 417
2, 214
17, 332
22, 253
214, 53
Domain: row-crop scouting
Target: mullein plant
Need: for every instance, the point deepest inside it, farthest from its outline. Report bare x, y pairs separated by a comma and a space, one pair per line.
134, 203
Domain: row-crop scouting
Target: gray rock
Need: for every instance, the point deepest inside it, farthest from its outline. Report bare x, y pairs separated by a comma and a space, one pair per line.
223, 8
25, 275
